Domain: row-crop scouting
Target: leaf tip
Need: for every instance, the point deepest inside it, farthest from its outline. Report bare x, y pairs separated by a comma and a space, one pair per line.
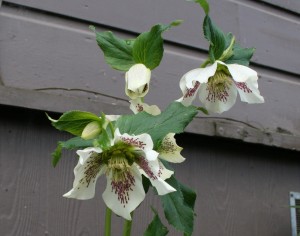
92, 28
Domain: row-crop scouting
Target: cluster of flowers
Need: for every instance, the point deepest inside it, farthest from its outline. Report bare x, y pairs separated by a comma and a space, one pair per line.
131, 156
133, 151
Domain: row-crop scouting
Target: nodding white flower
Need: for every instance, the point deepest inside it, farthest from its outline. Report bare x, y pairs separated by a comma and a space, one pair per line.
123, 163
137, 105
218, 85
137, 81
169, 150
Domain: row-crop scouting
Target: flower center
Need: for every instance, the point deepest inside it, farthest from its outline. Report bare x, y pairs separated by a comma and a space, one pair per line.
118, 160
218, 86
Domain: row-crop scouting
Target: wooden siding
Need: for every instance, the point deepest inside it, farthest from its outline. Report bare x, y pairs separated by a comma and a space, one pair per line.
46, 55
242, 189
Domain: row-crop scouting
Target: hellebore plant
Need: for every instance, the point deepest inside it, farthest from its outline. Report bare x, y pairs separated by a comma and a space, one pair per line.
134, 151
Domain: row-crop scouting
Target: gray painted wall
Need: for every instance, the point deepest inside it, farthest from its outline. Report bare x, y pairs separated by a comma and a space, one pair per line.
49, 61
242, 189
45, 54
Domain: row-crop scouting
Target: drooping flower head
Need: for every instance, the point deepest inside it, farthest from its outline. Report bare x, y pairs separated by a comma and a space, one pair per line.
123, 164
218, 85
137, 105
137, 81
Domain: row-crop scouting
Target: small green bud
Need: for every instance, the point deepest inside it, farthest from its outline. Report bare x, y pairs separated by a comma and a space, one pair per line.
91, 130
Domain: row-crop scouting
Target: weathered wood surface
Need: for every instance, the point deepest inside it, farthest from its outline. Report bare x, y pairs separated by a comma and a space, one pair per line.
291, 5
273, 32
243, 189
57, 56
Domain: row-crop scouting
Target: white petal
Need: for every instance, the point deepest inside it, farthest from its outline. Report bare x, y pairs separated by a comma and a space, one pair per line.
217, 105
189, 94
241, 73
123, 197
137, 81
164, 172
169, 150
86, 153
152, 170
200, 74
136, 105
249, 92
142, 141
84, 183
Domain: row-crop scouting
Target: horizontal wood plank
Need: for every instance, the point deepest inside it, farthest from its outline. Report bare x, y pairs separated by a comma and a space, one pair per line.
274, 33
54, 64
242, 189
291, 5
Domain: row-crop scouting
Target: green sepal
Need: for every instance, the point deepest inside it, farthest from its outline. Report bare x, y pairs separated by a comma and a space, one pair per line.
172, 120
148, 46
103, 141
156, 227
74, 121
117, 52
179, 207
72, 143
240, 55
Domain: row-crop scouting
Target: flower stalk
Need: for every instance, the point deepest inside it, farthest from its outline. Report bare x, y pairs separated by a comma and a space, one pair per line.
127, 227
107, 230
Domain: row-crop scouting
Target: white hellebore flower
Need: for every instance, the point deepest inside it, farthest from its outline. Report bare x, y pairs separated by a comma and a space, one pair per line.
137, 81
123, 164
218, 85
137, 105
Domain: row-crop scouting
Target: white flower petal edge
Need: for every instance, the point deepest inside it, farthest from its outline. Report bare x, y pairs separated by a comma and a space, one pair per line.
136, 105
137, 80
140, 142
152, 170
169, 150
84, 184
190, 83
123, 197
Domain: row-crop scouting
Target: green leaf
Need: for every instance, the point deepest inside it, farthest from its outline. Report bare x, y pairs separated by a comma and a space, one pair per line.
148, 46
74, 121
156, 228
56, 155
173, 120
117, 52
73, 143
203, 3
179, 207
215, 37
240, 55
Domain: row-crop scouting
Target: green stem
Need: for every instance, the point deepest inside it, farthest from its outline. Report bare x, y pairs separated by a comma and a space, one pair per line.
127, 227
107, 231
112, 129
204, 64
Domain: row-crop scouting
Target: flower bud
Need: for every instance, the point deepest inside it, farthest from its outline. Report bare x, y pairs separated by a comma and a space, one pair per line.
137, 81
91, 130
